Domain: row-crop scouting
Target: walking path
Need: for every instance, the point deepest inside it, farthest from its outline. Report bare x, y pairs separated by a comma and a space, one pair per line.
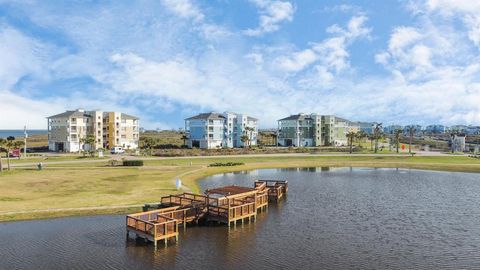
46, 162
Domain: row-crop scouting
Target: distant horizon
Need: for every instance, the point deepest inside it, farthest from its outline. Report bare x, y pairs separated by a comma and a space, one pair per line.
397, 61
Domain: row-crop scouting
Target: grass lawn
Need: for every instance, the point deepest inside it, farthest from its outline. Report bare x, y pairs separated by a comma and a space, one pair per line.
31, 159
94, 188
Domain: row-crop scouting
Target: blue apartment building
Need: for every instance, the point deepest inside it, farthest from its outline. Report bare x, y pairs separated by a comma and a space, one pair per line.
220, 130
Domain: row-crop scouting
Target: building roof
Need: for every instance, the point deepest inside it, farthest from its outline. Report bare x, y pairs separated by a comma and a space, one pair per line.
340, 119
252, 118
297, 117
127, 116
207, 116
76, 113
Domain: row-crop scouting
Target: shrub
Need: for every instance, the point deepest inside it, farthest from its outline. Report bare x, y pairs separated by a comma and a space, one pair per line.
225, 164
132, 163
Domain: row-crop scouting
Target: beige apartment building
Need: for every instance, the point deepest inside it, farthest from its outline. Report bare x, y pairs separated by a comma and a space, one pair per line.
110, 129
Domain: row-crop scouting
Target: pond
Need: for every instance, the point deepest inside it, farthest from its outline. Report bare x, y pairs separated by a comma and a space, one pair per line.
332, 218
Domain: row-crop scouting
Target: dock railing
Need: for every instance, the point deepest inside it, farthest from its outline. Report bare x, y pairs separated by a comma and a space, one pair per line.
152, 225
276, 188
183, 199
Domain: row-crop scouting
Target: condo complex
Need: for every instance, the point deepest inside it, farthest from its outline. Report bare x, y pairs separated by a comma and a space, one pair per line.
68, 131
218, 130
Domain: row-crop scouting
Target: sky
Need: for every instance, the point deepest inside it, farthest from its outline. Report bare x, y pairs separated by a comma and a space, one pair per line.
396, 62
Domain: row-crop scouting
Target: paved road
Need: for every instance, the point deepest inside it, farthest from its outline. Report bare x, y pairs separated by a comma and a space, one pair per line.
46, 162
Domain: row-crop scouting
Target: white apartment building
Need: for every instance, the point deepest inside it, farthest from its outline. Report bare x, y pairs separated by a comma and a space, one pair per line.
110, 129
216, 130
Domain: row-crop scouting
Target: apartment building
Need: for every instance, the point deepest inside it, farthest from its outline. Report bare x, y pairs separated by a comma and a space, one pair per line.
417, 130
303, 130
217, 130
66, 130
435, 129
391, 129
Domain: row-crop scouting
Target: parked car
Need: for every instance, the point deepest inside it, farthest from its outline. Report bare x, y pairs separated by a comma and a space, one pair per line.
15, 153
117, 150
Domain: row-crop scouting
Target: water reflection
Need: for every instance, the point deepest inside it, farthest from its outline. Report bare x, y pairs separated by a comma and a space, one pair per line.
342, 218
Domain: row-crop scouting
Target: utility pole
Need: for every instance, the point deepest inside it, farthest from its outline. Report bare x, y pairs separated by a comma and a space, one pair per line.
25, 141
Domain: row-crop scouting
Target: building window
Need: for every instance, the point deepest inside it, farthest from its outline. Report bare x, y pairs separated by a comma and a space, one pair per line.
210, 136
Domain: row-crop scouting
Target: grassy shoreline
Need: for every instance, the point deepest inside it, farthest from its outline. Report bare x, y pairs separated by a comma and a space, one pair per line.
93, 188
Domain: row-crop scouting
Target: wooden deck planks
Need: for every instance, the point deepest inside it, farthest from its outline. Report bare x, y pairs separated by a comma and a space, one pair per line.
227, 205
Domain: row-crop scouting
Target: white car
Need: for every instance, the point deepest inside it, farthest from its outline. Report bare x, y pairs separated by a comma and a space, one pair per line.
117, 150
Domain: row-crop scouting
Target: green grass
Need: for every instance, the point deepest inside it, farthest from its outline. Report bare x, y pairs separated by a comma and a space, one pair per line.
43, 159
88, 185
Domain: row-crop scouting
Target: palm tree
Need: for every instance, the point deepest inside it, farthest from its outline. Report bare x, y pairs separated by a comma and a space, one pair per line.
371, 138
2, 148
377, 134
184, 138
351, 135
397, 134
244, 139
411, 132
90, 140
361, 135
9, 145
148, 143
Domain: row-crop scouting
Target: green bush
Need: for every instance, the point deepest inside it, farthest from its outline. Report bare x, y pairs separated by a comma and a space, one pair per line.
225, 164
132, 163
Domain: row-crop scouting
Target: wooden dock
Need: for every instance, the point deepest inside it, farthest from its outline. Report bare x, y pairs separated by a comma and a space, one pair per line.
276, 188
231, 203
228, 205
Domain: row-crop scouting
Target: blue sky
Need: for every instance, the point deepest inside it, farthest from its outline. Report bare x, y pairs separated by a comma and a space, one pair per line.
390, 61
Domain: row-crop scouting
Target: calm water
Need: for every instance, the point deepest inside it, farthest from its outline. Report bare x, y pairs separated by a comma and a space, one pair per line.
4, 133
332, 219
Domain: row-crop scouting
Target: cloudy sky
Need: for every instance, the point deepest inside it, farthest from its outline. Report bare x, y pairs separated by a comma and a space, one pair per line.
391, 61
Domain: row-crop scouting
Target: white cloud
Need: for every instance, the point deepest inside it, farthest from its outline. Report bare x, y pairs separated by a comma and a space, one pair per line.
473, 24
185, 9
355, 28
402, 37
20, 56
272, 14
17, 111
149, 63
297, 61
331, 53
468, 11
417, 51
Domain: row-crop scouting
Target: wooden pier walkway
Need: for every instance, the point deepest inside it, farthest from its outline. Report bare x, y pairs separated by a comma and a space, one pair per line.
276, 188
227, 205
